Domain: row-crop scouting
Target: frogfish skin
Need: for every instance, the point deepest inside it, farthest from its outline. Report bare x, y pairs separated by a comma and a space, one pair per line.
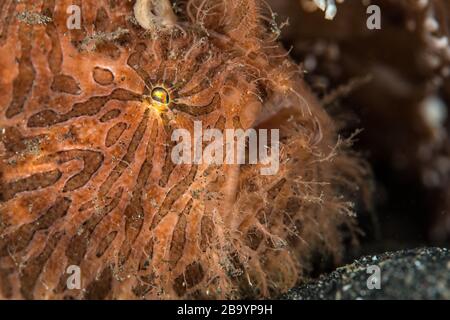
86, 174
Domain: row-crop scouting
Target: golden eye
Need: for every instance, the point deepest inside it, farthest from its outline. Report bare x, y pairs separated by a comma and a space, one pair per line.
160, 95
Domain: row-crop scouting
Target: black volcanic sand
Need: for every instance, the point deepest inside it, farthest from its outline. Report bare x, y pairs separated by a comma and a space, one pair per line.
410, 274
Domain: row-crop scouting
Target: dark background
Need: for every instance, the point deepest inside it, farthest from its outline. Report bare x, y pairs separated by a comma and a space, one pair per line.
381, 80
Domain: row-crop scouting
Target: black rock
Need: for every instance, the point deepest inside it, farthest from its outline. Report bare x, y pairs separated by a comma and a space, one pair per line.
410, 274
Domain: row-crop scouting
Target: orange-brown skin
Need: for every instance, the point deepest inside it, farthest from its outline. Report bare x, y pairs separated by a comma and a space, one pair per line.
86, 176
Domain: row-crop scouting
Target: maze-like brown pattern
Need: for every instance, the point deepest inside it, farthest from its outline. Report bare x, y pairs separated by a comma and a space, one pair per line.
86, 176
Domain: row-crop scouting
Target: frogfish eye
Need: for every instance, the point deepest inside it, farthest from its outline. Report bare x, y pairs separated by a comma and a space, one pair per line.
160, 95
